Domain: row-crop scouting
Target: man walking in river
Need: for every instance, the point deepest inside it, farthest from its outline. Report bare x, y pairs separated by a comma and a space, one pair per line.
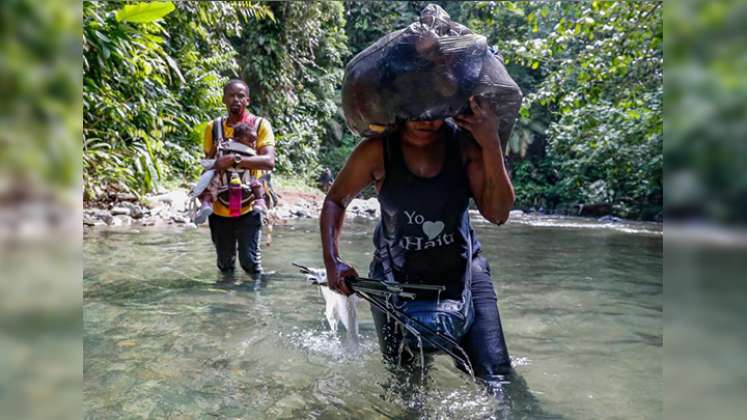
231, 233
425, 173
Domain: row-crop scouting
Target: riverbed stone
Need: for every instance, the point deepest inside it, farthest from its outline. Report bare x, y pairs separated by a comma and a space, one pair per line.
105, 217
120, 211
161, 211
364, 208
288, 407
136, 212
99, 214
515, 213
610, 219
179, 219
281, 213
125, 196
176, 199
121, 220
91, 221
149, 221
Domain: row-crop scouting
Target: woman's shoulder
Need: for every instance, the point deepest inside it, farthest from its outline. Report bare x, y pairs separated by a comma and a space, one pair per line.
369, 152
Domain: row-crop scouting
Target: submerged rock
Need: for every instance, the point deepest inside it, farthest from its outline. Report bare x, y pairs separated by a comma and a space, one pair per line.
288, 406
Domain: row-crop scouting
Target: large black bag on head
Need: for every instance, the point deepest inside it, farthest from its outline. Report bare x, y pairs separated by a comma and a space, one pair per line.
426, 71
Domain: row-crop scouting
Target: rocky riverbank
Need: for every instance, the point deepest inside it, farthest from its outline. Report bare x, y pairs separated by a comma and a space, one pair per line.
172, 208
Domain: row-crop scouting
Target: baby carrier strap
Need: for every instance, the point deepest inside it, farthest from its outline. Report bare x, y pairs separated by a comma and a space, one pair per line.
218, 130
256, 124
219, 135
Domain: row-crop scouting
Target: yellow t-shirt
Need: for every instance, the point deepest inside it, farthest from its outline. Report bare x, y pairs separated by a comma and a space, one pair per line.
265, 138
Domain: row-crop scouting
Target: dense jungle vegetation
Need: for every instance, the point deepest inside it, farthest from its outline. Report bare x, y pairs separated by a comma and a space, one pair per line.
589, 134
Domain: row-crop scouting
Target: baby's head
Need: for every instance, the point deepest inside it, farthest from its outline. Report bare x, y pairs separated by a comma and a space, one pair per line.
244, 134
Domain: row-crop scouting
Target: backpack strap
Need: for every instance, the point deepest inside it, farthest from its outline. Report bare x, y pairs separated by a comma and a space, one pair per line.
258, 124
217, 131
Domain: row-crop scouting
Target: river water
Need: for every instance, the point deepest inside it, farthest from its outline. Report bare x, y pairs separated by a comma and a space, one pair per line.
581, 303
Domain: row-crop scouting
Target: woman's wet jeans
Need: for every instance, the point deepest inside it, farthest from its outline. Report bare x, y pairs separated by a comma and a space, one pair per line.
484, 343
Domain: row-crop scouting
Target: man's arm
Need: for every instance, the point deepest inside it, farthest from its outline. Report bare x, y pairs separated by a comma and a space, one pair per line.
488, 178
364, 166
264, 160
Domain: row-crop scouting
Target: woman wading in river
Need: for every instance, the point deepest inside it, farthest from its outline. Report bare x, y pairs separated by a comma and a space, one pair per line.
425, 174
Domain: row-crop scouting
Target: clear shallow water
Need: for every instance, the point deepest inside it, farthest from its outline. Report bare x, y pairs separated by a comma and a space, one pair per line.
581, 304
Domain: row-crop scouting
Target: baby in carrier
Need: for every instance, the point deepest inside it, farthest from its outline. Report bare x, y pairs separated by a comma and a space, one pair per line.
234, 187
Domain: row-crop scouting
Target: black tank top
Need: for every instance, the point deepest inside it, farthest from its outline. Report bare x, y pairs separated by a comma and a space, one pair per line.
424, 235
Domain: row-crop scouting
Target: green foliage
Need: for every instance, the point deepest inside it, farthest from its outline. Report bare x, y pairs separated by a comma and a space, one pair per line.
40, 111
335, 154
144, 12
593, 82
706, 96
589, 132
294, 67
541, 187
153, 78
367, 21
147, 85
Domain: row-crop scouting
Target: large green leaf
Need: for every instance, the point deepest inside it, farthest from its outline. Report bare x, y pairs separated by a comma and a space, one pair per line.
144, 12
